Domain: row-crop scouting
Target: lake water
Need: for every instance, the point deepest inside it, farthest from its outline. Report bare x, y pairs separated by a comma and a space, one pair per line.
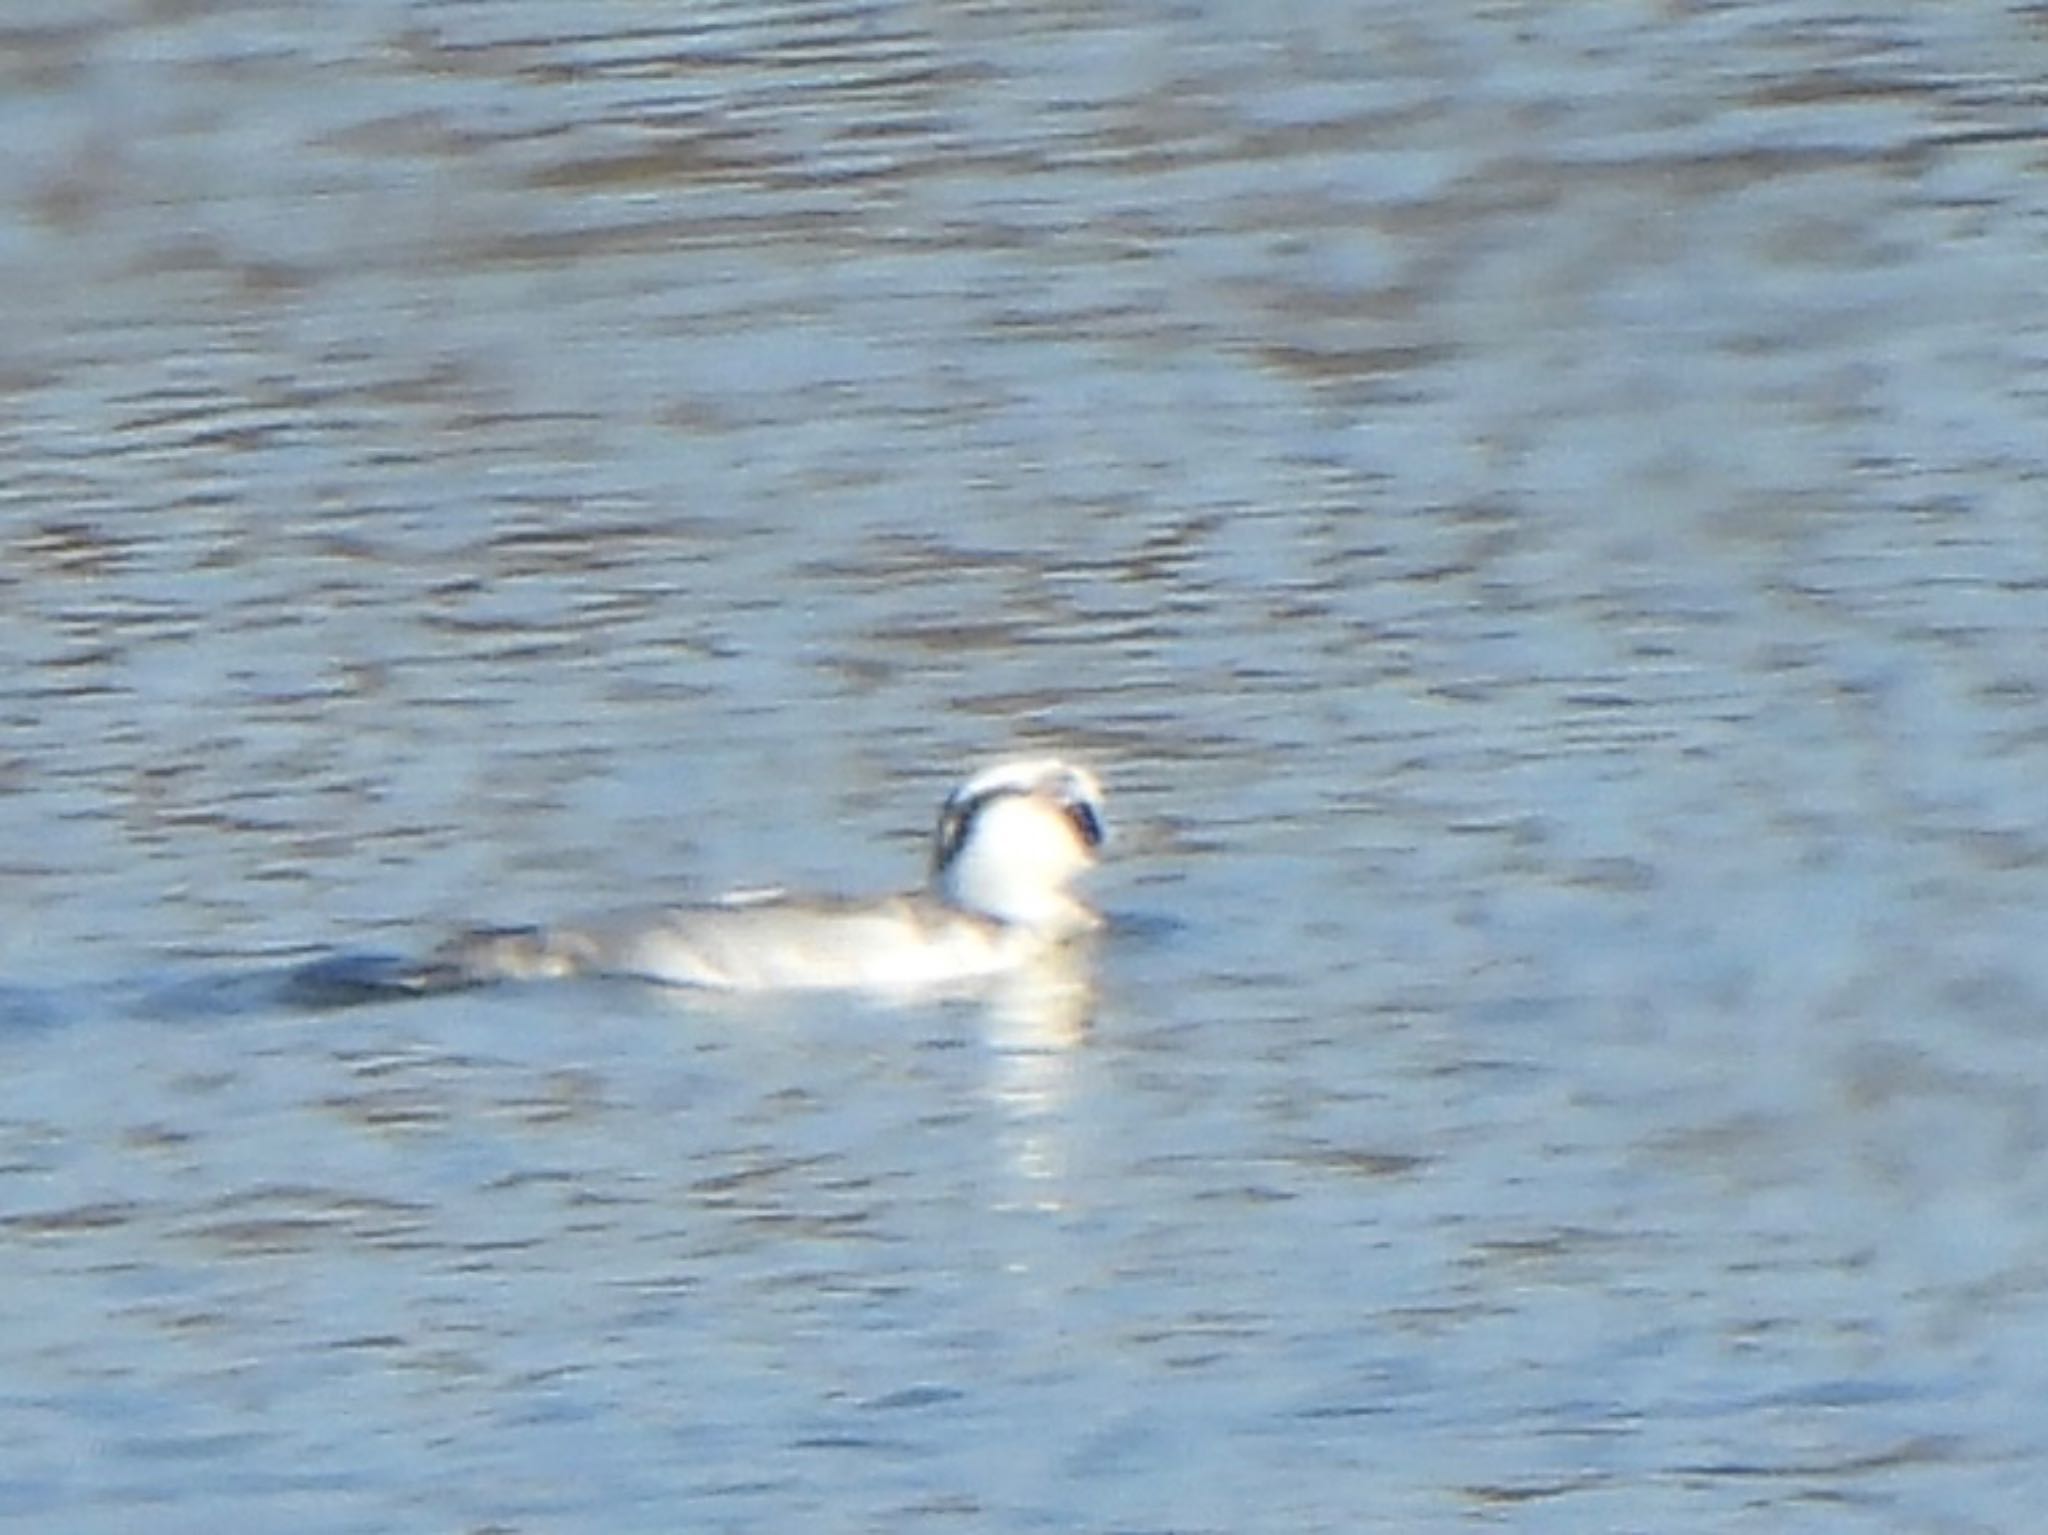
1539, 515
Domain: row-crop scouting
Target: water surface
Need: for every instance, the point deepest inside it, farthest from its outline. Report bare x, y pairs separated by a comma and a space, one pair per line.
1535, 512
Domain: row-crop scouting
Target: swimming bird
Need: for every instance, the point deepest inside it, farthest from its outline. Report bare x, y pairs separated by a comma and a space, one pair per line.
1010, 843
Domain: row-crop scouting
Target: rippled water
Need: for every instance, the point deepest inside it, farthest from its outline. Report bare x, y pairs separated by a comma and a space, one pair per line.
1536, 512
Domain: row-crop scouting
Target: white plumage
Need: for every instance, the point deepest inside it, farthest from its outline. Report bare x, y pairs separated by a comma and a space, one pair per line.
1010, 843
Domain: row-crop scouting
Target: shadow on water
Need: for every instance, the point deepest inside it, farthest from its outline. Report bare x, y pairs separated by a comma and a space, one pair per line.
1056, 992
23, 1010
321, 985
1054, 998
327, 984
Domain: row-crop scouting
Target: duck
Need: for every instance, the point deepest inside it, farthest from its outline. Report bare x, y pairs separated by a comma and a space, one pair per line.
1009, 845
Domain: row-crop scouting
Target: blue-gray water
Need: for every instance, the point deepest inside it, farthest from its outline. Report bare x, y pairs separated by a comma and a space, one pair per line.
1538, 513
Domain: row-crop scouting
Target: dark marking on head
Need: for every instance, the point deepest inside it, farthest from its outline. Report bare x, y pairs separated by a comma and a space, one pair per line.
952, 832
959, 815
1086, 823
